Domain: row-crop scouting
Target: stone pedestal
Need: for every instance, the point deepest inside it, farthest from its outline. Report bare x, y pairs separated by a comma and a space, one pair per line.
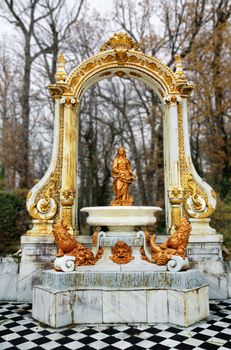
204, 252
38, 254
92, 296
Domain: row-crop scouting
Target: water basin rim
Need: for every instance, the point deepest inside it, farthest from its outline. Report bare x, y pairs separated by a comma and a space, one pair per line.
120, 207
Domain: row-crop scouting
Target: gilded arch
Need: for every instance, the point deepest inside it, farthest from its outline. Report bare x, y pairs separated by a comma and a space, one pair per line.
56, 194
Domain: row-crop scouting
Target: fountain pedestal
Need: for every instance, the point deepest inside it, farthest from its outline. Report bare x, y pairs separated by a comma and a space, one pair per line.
109, 292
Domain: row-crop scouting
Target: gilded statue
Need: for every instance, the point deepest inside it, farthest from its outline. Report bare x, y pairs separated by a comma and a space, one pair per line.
67, 245
123, 177
175, 245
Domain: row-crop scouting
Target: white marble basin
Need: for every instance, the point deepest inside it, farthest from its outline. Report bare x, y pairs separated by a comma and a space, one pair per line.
118, 217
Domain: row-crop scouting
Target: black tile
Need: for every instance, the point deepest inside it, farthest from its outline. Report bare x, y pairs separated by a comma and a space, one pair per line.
41, 340
133, 340
156, 339
108, 340
6, 312
24, 332
110, 331
223, 336
68, 332
87, 340
30, 325
10, 324
132, 331
209, 346
201, 336
198, 329
178, 337
215, 328
174, 330
133, 347
89, 331
159, 347
18, 341
183, 346
5, 332
153, 330
44, 332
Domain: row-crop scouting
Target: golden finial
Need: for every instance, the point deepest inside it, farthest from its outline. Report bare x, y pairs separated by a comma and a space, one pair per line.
180, 74
61, 74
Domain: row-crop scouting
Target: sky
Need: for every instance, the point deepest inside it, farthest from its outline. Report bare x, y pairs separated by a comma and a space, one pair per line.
100, 5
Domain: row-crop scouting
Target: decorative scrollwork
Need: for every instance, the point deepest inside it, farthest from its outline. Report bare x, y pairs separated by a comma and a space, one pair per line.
196, 201
121, 41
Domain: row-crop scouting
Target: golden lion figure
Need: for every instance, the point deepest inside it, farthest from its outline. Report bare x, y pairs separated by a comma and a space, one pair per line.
67, 245
175, 245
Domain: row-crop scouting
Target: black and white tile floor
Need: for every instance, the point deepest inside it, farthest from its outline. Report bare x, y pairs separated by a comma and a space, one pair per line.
19, 331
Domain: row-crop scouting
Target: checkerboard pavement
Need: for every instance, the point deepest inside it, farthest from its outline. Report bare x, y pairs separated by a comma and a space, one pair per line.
19, 331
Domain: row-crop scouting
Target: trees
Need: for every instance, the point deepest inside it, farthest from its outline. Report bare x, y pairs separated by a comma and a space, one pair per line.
119, 111
33, 17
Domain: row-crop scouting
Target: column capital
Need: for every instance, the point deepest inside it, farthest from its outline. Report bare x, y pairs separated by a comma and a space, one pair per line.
70, 101
171, 99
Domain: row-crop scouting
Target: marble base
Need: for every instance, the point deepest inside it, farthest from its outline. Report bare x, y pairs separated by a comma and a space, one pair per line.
205, 254
120, 297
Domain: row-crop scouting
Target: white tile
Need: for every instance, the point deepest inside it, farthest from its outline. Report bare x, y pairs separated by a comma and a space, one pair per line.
51, 345
165, 334
9, 337
33, 336
122, 345
193, 342
145, 335
124, 306
100, 336
87, 307
217, 341
55, 336
77, 336
121, 327
146, 344
26, 346
187, 333
122, 335
5, 345
226, 331
74, 345
209, 332
98, 345
18, 329
157, 306
170, 342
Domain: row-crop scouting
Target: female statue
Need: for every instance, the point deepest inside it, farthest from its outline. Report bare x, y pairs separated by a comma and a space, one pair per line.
123, 177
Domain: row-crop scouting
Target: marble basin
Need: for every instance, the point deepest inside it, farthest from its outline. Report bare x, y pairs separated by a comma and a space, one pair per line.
119, 218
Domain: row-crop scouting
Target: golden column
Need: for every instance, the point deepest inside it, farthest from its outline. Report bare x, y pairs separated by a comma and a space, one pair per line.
68, 189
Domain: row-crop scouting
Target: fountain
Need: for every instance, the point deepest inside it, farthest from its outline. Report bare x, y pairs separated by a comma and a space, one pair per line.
126, 277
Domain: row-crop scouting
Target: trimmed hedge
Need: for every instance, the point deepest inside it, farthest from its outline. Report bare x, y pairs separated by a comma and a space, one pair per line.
13, 220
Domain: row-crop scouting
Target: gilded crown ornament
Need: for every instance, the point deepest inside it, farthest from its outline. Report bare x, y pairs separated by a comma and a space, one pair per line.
122, 41
61, 74
180, 74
